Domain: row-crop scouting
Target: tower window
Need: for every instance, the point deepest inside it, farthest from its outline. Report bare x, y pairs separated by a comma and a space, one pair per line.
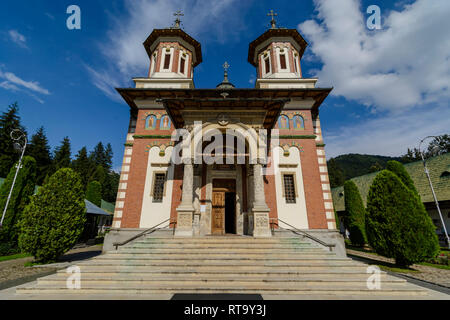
182, 64
295, 64
167, 61
267, 65
158, 187
289, 188
283, 61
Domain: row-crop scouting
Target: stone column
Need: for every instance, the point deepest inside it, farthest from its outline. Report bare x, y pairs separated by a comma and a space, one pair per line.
260, 210
186, 209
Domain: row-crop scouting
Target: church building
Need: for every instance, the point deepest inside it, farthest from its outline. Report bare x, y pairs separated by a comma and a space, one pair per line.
276, 178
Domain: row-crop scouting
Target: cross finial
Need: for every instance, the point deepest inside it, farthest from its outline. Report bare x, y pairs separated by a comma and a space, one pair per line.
273, 22
178, 14
226, 66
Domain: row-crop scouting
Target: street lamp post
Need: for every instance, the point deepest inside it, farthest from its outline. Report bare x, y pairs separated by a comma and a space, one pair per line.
17, 136
432, 189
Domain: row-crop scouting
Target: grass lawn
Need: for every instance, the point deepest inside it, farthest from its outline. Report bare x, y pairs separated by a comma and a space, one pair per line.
15, 256
434, 265
397, 269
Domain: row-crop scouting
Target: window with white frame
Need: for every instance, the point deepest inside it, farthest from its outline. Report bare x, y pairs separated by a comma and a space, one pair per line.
266, 63
283, 63
183, 59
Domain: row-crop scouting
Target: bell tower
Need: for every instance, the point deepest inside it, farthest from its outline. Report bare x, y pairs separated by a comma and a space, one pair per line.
173, 56
277, 54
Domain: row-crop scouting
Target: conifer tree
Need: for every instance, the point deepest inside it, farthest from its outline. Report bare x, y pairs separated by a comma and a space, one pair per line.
83, 165
22, 191
39, 149
62, 157
94, 193
354, 214
397, 224
9, 121
397, 168
54, 219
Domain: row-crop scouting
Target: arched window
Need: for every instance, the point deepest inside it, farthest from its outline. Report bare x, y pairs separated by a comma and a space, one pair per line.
283, 122
150, 122
298, 122
165, 123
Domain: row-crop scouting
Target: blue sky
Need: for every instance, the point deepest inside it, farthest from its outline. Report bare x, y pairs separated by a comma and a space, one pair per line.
391, 86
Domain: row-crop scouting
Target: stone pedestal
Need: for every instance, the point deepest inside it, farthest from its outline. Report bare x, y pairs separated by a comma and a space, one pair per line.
260, 210
185, 211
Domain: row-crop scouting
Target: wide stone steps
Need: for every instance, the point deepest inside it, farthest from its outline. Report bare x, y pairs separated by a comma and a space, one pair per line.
396, 290
165, 265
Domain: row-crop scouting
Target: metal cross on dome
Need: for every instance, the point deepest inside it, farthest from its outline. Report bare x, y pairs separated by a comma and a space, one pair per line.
226, 66
273, 22
178, 14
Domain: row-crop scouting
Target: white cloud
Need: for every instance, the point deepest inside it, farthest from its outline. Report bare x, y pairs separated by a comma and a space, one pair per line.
31, 85
387, 135
406, 64
401, 72
14, 83
123, 49
18, 38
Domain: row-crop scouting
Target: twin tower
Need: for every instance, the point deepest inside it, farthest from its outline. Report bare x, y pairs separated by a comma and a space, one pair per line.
174, 54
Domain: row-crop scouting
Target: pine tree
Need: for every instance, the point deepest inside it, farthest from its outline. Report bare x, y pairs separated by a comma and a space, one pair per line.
108, 157
9, 121
397, 168
39, 149
397, 224
22, 191
94, 193
54, 219
354, 214
110, 187
62, 157
84, 166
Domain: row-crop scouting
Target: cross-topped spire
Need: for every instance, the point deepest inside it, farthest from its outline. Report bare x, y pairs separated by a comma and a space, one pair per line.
273, 22
226, 66
178, 14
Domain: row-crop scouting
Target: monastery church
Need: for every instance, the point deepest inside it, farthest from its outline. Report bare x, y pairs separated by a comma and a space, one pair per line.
254, 216
197, 198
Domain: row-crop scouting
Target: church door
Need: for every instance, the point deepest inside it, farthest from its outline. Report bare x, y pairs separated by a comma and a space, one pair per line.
218, 212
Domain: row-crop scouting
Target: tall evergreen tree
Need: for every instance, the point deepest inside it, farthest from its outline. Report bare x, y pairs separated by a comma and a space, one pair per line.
108, 157
9, 121
62, 157
397, 168
84, 166
39, 149
354, 214
397, 224
20, 196
94, 193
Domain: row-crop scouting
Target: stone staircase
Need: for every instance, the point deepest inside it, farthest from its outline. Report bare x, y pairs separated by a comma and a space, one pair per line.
245, 265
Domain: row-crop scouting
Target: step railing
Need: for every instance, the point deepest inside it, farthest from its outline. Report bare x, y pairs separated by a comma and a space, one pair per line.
300, 232
145, 232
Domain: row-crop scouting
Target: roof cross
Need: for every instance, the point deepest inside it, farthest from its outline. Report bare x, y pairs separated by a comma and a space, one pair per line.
273, 22
178, 14
226, 66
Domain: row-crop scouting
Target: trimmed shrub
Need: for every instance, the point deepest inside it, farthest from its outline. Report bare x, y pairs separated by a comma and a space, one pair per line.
355, 214
20, 197
398, 168
94, 193
397, 224
55, 217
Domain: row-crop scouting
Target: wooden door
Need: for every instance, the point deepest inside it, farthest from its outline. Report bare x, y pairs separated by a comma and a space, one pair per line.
218, 212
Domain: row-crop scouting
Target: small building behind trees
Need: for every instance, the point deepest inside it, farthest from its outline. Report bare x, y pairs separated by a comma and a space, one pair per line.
439, 168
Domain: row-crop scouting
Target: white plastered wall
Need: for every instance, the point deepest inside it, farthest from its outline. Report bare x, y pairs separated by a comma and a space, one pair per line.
293, 213
156, 212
